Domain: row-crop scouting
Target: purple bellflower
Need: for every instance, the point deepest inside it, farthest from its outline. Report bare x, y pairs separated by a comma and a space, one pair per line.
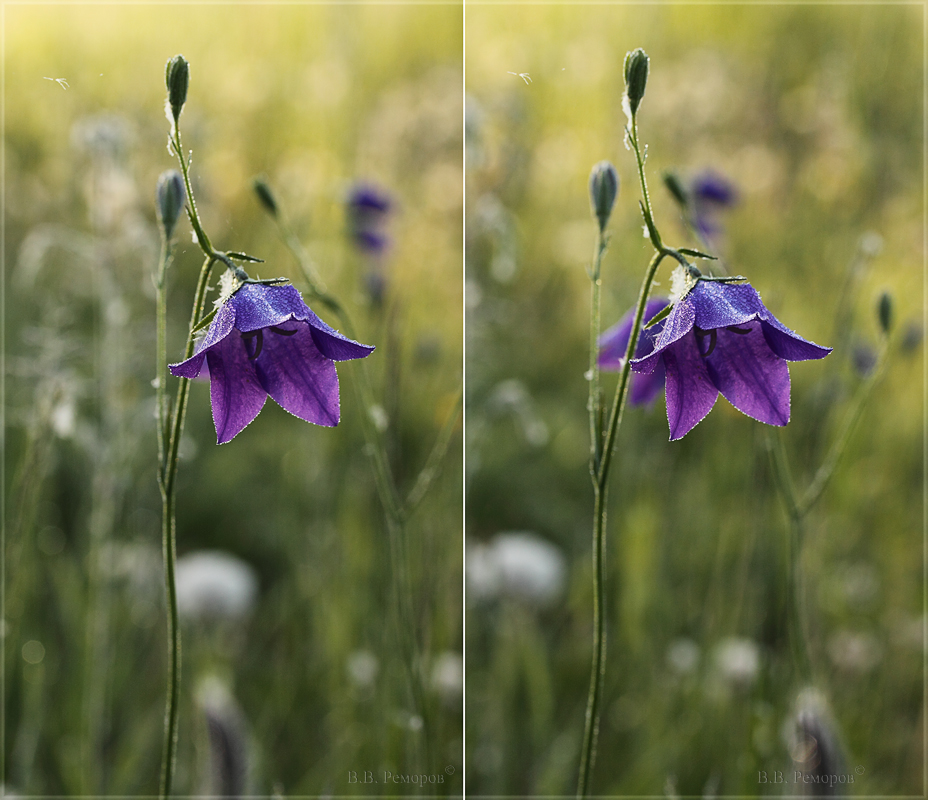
264, 340
368, 209
719, 337
613, 345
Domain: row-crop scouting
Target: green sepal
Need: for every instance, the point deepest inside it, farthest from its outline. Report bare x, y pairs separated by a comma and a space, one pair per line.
245, 257
688, 251
659, 316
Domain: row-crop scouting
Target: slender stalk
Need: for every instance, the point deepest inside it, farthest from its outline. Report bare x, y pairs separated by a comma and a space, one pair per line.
798, 507
601, 452
826, 470
396, 509
598, 671
167, 481
594, 404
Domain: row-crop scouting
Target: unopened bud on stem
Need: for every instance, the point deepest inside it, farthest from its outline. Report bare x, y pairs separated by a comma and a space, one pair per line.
885, 312
604, 186
675, 187
171, 197
176, 78
636, 77
265, 196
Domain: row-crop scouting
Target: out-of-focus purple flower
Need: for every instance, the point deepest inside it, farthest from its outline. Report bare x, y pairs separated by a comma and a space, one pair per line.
710, 193
720, 337
368, 210
613, 344
266, 341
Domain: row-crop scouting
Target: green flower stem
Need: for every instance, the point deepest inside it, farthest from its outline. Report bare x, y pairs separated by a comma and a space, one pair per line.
798, 507
602, 448
826, 470
168, 448
600, 484
396, 510
202, 239
594, 404
646, 197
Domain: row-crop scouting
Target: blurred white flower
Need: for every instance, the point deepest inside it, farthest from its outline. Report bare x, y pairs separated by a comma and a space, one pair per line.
363, 668
519, 564
737, 661
683, 656
211, 584
854, 652
448, 676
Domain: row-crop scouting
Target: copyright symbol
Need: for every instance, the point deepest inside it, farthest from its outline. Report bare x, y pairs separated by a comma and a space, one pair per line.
859, 770
449, 769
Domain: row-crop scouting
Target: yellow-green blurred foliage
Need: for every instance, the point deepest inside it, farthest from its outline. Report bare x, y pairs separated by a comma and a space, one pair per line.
815, 113
314, 97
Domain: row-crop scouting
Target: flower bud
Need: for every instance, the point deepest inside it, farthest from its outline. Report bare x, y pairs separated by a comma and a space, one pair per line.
171, 197
176, 78
604, 186
885, 312
265, 196
675, 187
636, 77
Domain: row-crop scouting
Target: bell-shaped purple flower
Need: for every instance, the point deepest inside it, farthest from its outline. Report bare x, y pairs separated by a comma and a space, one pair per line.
613, 345
719, 337
266, 341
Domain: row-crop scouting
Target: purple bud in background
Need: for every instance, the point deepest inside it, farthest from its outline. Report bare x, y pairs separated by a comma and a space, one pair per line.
710, 193
368, 209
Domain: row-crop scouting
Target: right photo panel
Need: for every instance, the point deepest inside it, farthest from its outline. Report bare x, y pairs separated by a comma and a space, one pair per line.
695, 250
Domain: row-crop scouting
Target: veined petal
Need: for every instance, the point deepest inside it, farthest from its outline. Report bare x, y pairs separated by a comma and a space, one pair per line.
753, 378
690, 393
234, 390
258, 306
299, 377
721, 304
614, 342
677, 325
787, 344
221, 326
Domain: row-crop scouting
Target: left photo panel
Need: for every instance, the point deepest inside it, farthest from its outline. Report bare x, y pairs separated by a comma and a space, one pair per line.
233, 361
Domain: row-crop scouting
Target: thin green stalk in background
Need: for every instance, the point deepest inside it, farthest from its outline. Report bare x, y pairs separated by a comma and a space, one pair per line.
798, 507
397, 510
602, 446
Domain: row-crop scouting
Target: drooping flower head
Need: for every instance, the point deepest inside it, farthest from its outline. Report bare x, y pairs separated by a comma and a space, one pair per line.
719, 337
264, 340
368, 208
613, 345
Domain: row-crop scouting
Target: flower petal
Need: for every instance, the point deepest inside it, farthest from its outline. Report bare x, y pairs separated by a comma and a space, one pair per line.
259, 306
234, 390
690, 392
721, 304
677, 325
219, 329
753, 378
787, 344
299, 378
614, 342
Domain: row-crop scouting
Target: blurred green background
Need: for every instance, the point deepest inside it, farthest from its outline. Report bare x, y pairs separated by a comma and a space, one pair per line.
815, 113
292, 675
